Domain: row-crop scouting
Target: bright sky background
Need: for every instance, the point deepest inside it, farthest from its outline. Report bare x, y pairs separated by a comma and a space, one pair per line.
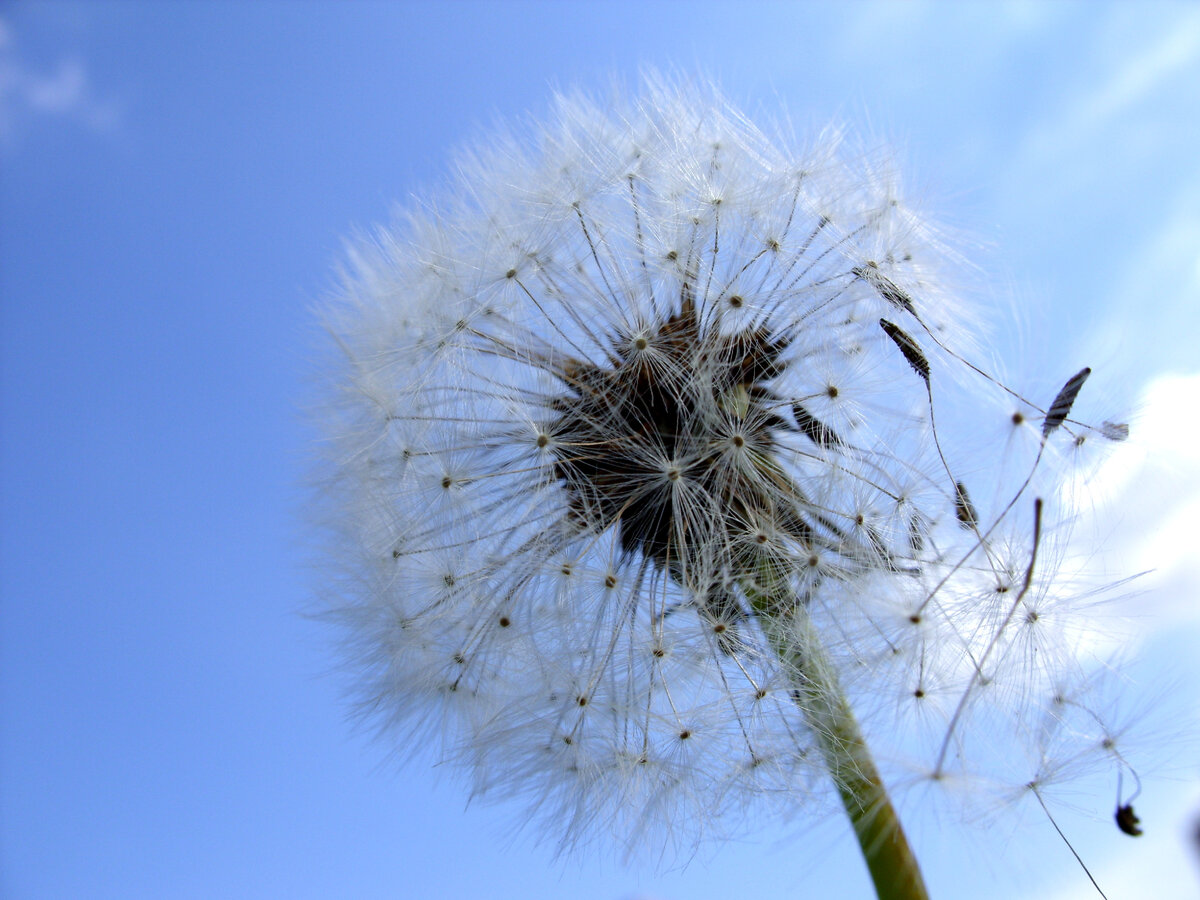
175, 183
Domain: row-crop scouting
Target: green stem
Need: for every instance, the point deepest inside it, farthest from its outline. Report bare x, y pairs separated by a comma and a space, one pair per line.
815, 690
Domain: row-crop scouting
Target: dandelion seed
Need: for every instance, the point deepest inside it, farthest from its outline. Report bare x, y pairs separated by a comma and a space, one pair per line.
1063, 401
1115, 431
887, 288
916, 540
964, 509
908, 347
622, 384
819, 433
1125, 817
1128, 821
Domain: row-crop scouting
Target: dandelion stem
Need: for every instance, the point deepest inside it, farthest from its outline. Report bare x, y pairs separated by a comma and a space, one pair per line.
885, 848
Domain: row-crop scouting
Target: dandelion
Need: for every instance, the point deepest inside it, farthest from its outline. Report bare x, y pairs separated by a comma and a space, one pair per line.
651, 451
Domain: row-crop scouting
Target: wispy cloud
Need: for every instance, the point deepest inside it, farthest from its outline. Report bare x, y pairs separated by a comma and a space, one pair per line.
1104, 106
1123, 105
1174, 52
63, 91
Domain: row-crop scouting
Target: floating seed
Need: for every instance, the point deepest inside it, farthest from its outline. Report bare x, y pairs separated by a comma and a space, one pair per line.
1061, 407
915, 540
817, 432
1115, 431
885, 286
880, 548
964, 509
908, 347
1128, 821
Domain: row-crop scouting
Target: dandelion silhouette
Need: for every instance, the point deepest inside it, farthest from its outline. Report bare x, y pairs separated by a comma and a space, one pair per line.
646, 515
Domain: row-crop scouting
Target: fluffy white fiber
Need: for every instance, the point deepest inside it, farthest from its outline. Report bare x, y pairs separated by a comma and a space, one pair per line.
641, 375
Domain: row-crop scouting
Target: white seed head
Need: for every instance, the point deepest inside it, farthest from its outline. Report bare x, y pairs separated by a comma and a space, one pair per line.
635, 366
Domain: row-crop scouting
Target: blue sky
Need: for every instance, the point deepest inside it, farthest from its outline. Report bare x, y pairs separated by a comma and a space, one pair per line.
176, 180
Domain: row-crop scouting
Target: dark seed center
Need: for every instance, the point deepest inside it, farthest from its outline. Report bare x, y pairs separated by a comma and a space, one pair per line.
619, 424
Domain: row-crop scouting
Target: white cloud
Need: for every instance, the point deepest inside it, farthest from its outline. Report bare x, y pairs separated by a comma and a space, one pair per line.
61, 92
1153, 491
1147, 494
65, 92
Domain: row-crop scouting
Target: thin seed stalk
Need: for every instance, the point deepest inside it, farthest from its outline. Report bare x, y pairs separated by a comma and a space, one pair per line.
885, 848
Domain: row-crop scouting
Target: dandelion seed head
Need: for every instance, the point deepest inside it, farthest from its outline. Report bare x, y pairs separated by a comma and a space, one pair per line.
638, 377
